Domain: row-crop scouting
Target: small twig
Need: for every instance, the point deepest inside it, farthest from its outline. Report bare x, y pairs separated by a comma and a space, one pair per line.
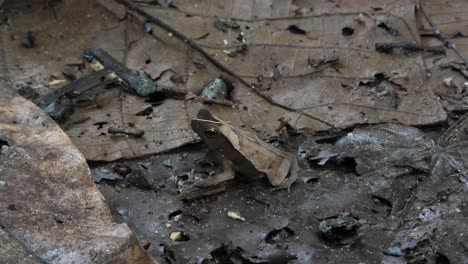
447, 43
407, 47
212, 101
117, 131
314, 63
131, 6
442, 196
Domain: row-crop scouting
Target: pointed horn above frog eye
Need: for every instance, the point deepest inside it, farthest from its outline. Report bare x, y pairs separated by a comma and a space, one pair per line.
206, 115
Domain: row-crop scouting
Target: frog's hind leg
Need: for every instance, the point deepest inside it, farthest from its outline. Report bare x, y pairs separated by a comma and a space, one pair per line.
227, 174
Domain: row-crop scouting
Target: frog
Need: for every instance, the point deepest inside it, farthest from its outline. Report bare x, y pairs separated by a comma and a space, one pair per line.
240, 155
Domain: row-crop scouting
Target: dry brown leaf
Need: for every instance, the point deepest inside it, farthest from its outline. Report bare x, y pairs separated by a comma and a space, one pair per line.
338, 95
364, 87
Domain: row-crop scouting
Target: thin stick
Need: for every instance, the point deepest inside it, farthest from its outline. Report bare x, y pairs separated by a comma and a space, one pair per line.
212, 101
443, 196
436, 32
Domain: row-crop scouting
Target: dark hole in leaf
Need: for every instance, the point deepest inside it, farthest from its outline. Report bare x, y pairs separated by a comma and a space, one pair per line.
390, 30
100, 125
148, 61
296, 30
156, 98
347, 31
145, 112
160, 96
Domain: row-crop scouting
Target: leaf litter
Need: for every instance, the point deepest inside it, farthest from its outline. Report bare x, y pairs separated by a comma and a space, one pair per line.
317, 67
381, 146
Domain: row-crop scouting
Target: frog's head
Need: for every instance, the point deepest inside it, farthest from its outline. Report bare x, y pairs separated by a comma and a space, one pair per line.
208, 129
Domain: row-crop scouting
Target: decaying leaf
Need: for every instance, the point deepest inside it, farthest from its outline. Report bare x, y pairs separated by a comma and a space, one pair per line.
391, 145
49, 198
280, 167
235, 216
379, 146
340, 94
335, 95
446, 20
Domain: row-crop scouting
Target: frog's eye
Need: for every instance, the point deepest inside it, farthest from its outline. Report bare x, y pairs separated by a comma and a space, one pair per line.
211, 132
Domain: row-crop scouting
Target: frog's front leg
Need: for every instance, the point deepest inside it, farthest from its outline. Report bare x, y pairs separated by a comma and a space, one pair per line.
210, 158
227, 174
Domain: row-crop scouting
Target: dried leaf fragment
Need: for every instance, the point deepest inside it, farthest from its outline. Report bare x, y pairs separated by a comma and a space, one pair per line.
235, 216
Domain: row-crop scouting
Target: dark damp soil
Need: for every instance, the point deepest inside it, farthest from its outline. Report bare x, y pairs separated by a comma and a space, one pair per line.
405, 217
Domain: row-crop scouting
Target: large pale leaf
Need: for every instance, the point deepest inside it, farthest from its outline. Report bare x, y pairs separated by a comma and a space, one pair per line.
49, 206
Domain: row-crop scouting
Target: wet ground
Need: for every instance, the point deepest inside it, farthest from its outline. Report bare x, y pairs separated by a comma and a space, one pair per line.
401, 216
332, 214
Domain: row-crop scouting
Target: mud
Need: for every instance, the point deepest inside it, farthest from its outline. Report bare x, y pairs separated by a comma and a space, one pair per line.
388, 206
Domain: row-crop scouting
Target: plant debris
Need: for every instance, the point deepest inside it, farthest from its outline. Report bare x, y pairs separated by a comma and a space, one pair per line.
139, 176
104, 174
406, 47
216, 89
380, 131
119, 131
339, 229
224, 25
29, 41
179, 236
314, 63
410, 240
235, 216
